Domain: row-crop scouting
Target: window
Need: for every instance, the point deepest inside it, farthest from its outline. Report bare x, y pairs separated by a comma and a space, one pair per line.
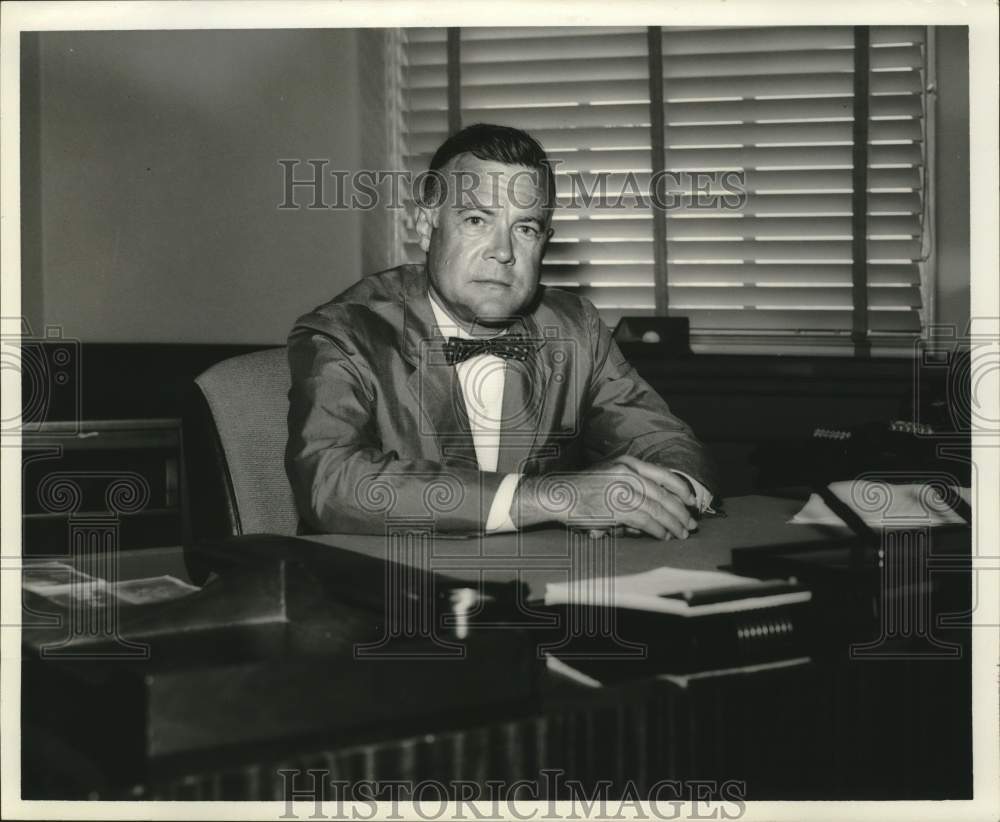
772, 107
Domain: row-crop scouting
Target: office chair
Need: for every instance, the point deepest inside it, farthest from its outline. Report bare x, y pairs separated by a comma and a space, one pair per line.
234, 434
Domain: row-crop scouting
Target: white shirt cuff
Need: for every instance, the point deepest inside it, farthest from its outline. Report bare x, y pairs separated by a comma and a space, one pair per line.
499, 519
702, 496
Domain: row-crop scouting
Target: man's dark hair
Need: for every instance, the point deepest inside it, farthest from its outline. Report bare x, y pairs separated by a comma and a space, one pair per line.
500, 144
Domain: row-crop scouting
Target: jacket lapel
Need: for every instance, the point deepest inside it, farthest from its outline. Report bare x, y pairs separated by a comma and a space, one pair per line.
527, 396
433, 383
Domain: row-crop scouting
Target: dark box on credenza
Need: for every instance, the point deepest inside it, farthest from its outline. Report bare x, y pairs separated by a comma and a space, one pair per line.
653, 337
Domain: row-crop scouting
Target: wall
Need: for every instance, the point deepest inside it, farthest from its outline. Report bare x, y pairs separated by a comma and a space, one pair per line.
951, 230
155, 218
150, 180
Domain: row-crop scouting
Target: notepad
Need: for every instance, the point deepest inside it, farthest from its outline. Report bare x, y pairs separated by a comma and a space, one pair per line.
677, 591
881, 505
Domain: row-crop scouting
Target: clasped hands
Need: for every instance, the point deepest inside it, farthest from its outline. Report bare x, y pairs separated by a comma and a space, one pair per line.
624, 495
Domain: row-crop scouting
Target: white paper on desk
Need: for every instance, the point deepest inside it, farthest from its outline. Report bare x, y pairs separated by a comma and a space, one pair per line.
649, 591
881, 505
97, 593
86, 593
40, 577
152, 589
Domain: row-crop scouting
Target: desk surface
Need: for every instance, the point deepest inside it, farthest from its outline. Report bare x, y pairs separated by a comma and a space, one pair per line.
538, 557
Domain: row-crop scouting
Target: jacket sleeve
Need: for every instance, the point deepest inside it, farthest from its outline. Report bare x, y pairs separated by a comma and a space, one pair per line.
342, 479
625, 415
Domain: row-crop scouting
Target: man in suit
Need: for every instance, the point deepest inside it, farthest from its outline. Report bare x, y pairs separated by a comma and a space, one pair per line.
462, 392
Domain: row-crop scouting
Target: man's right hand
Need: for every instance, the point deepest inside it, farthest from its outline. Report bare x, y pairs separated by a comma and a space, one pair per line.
624, 492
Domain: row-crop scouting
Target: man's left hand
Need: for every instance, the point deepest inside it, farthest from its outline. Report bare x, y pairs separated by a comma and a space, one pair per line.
667, 479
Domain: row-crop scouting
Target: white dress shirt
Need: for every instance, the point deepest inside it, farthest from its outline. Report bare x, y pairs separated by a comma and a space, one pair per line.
482, 380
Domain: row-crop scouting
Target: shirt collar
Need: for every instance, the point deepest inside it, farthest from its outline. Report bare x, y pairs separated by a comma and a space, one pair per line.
447, 326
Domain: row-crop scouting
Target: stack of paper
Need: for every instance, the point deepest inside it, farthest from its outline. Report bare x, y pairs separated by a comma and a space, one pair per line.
881, 505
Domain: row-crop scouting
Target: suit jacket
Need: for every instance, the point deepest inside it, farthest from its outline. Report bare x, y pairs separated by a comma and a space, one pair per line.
377, 427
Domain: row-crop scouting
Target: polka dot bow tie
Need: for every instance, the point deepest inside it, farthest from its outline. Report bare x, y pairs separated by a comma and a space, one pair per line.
509, 346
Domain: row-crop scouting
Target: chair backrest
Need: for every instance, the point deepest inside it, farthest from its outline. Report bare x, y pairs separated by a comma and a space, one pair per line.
247, 403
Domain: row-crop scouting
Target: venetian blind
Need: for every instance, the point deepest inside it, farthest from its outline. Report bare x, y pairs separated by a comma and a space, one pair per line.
775, 105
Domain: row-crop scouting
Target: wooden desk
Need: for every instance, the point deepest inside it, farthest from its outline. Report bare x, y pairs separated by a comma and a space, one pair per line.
829, 728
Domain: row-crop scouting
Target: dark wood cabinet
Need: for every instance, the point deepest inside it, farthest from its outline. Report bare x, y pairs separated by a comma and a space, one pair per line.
122, 477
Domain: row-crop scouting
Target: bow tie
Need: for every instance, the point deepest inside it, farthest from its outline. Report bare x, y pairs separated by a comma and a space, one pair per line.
509, 346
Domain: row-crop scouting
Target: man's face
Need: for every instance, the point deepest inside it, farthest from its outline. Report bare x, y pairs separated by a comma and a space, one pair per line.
485, 242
